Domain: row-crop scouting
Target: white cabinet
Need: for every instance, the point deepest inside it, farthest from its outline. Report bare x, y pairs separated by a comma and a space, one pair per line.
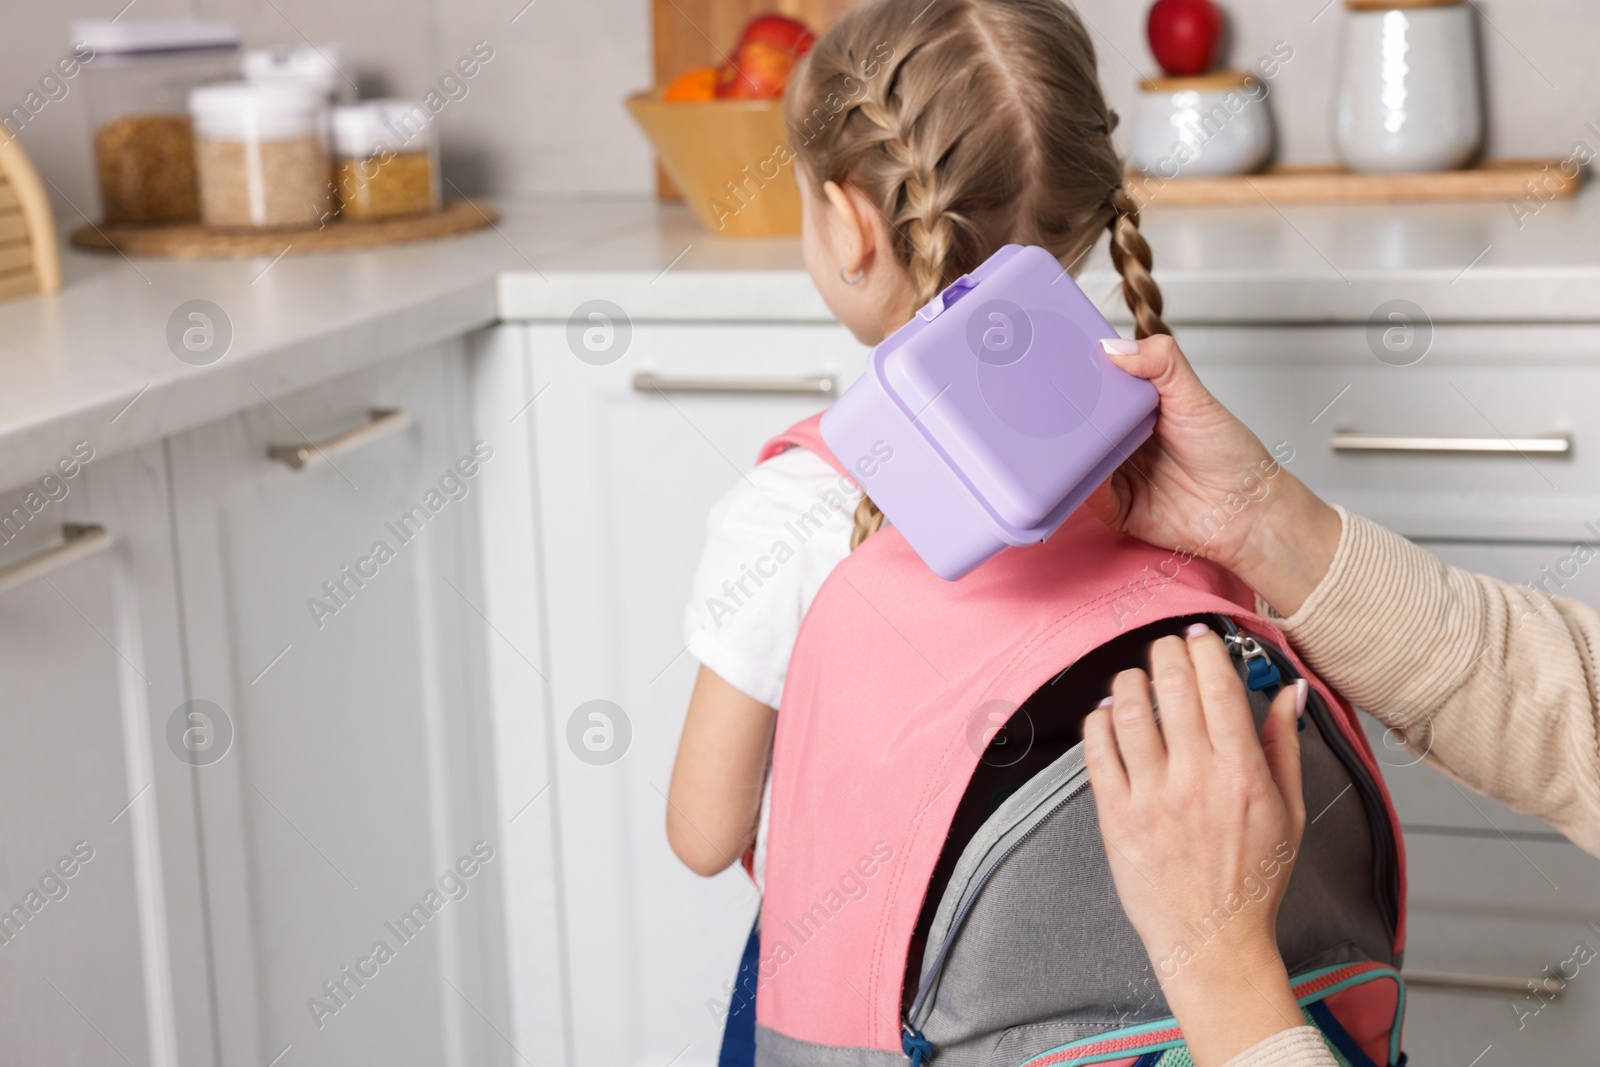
625, 479
349, 835
102, 955
1496, 899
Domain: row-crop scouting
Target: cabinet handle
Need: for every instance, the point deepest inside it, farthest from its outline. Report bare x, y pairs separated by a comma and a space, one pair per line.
1553, 445
78, 541
1491, 984
810, 385
381, 422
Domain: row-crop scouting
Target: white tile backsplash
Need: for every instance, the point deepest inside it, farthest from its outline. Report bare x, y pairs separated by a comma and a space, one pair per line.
545, 116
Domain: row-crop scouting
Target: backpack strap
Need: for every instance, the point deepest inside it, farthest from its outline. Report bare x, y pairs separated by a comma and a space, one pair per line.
806, 434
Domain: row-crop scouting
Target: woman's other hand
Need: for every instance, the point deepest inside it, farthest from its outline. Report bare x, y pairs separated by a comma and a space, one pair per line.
1202, 822
1203, 483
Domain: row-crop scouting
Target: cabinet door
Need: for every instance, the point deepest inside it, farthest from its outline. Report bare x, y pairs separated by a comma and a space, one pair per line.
350, 852
625, 478
101, 947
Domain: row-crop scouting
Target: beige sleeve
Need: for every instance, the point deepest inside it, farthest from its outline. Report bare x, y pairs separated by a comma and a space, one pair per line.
1493, 683
1301, 1047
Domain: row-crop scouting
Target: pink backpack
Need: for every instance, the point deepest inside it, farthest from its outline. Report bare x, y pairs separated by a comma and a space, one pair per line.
936, 885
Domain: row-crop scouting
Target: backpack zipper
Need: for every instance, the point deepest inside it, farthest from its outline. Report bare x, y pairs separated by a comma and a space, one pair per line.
1385, 851
1274, 670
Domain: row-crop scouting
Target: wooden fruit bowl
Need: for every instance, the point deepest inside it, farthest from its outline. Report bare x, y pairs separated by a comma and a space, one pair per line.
730, 159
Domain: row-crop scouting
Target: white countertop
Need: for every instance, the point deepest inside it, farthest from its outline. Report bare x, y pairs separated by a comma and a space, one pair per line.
92, 362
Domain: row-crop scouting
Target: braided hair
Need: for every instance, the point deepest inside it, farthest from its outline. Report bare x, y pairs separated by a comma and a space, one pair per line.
970, 124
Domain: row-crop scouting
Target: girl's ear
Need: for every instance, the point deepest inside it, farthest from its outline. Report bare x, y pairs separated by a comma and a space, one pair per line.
855, 238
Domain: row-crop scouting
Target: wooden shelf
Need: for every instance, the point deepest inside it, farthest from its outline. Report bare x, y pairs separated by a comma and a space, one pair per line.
1490, 180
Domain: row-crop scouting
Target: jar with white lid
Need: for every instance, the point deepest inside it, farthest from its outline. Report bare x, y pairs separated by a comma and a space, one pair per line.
313, 65
138, 74
262, 157
1410, 97
386, 159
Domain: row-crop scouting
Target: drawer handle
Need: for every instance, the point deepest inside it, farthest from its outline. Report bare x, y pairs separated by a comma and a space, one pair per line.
810, 385
1490, 984
78, 541
1554, 445
381, 422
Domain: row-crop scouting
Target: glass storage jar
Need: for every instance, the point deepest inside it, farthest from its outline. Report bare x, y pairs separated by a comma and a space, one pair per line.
386, 159
261, 155
314, 65
138, 82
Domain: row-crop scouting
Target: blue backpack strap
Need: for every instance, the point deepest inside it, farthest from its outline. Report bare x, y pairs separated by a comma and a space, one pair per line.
1337, 1035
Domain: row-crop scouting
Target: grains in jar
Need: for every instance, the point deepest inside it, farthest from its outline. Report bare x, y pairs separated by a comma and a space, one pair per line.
137, 75
376, 187
145, 164
386, 159
261, 156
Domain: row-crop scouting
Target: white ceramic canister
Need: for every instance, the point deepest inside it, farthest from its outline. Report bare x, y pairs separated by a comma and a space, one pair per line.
1410, 97
1198, 126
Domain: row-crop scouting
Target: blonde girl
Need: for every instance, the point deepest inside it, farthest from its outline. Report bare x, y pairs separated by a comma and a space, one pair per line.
926, 136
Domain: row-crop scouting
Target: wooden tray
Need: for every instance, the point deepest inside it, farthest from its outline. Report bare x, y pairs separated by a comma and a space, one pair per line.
1490, 180
190, 240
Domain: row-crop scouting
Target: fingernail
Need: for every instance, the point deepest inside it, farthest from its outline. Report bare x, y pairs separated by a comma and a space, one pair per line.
1106, 703
1116, 346
1302, 689
1196, 629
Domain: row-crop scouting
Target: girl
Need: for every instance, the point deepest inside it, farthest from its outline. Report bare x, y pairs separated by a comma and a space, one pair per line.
927, 135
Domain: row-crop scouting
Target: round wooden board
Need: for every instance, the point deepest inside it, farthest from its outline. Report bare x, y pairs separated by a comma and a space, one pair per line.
190, 240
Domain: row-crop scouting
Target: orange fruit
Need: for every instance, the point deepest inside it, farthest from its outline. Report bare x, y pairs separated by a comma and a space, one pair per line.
697, 84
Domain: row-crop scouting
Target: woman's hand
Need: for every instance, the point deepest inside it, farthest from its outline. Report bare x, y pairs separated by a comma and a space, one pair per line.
1205, 484
1202, 822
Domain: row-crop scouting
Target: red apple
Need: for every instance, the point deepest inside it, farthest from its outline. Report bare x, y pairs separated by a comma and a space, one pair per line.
789, 34
1183, 34
757, 70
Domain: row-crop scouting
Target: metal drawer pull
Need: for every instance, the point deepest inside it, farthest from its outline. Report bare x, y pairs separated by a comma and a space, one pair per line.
1554, 445
381, 422
78, 541
812, 385
1490, 984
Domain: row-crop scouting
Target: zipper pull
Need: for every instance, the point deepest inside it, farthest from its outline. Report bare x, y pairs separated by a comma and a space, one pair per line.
1260, 672
914, 1045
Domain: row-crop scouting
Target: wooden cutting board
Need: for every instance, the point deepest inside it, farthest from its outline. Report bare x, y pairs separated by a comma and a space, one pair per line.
1507, 180
30, 261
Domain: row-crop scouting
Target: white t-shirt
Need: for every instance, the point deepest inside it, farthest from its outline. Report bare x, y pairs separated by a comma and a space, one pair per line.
771, 541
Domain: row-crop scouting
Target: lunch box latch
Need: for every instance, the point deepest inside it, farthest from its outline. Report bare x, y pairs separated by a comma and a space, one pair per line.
948, 296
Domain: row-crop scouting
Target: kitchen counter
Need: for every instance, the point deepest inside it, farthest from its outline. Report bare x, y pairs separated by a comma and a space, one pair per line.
92, 362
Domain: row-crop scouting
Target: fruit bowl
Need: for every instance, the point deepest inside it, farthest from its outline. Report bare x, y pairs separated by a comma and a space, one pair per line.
729, 158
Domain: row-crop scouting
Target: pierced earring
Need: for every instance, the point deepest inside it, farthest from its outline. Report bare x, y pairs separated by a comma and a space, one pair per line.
861, 272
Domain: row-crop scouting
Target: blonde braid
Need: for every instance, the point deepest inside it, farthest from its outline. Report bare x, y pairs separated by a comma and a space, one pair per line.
1130, 255
970, 124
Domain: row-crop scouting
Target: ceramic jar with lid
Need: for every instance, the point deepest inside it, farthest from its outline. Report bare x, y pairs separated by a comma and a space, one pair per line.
1410, 97
262, 155
1203, 125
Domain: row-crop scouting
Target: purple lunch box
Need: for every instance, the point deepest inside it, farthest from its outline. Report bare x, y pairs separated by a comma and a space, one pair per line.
990, 416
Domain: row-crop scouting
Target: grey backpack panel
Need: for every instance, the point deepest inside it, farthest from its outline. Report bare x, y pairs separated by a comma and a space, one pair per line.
780, 1050
1030, 947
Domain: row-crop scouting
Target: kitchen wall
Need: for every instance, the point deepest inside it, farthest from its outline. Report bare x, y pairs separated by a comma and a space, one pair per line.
545, 116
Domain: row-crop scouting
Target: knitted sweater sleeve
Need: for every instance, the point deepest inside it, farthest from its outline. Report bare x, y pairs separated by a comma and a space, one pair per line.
1300, 1047
1490, 682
